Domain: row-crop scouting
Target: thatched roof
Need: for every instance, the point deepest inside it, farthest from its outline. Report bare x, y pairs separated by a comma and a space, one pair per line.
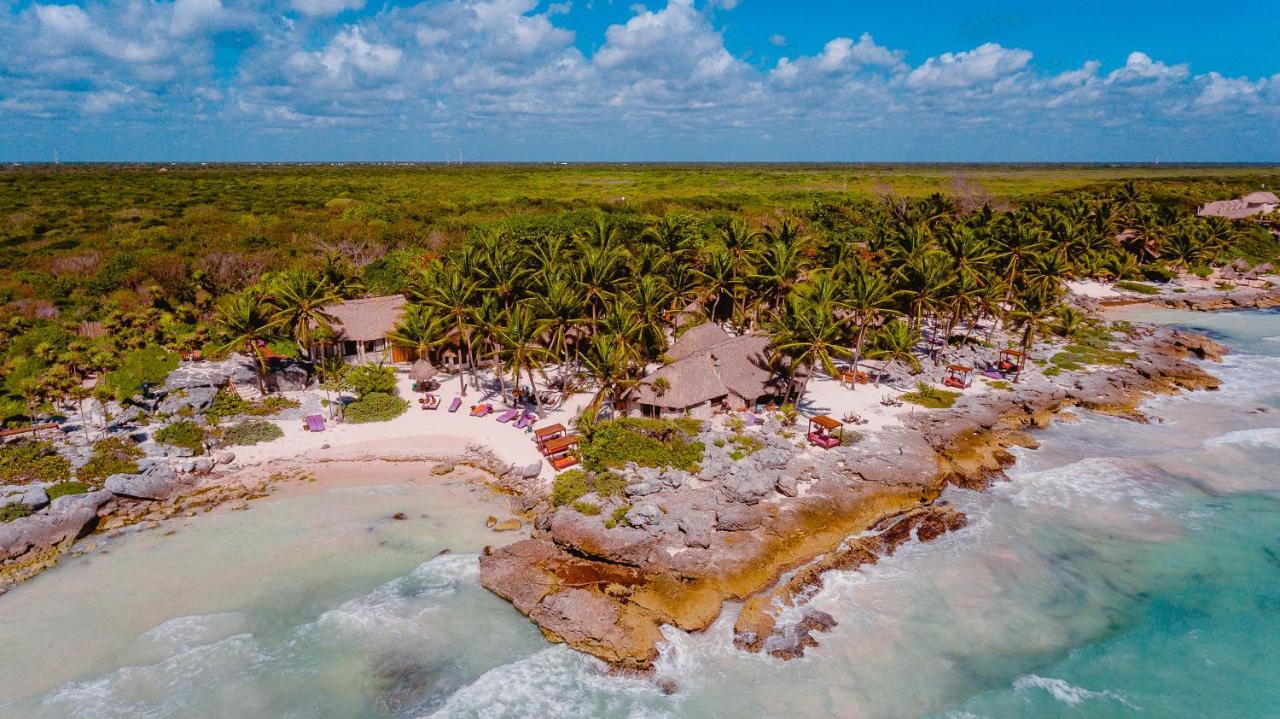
697, 339
737, 365
422, 371
1261, 198
372, 318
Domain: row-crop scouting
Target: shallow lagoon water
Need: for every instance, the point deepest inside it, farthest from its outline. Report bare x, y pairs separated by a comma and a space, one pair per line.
1125, 569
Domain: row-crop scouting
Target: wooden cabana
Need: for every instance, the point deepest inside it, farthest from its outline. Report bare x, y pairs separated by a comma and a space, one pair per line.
542, 435
561, 452
1010, 361
825, 431
958, 376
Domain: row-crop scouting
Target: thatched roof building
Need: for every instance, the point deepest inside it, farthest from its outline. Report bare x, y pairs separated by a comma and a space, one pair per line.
1251, 205
371, 318
710, 368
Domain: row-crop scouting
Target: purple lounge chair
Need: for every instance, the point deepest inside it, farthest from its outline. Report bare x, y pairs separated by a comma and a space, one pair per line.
507, 416
455, 404
315, 423
526, 420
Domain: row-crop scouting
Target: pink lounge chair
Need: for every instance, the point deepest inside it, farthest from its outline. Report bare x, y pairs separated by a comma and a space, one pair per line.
455, 404
507, 416
526, 420
315, 423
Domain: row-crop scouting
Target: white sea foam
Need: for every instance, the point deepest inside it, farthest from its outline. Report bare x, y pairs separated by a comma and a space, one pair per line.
186, 632
400, 604
1066, 692
1092, 482
1259, 437
556, 681
162, 689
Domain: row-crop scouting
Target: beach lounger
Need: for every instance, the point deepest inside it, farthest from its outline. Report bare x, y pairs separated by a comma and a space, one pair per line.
430, 402
564, 462
526, 420
455, 404
481, 409
315, 423
507, 416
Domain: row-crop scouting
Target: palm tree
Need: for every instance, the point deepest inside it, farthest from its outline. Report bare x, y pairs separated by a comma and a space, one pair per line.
520, 343
869, 298
810, 335
487, 322
719, 280
779, 269
610, 364
1032, 311
298, 300
597, 273
895, 342
420, 329
245, 318
332, 373
453, 293
562, 305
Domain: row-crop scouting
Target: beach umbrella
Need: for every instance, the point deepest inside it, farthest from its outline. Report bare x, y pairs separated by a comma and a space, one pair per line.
422, 371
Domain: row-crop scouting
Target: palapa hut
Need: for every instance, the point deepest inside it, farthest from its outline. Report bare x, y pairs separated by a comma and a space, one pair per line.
710, 370
1251, 205
361, 328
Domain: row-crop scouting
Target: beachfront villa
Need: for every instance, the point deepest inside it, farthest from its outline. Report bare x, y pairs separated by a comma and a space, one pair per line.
361, 330
1254, 204
710, 371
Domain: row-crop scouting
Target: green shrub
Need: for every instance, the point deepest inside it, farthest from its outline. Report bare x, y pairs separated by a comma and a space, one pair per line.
745, 445
1202, 271
1157, 273
1138, 287
619, 514
376, 407
848, 439
184, 434
226, 403
930, 397
113, 455
590, 509
647, 442
372, 378
32, 461
10, 512
249, 432
571, 485
62, 489
138, 370
273, 404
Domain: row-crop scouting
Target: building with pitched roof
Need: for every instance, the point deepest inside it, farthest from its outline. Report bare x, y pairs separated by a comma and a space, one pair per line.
709, 370
361, 330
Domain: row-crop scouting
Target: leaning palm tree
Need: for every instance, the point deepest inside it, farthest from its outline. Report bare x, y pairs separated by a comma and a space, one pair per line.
245, 319
895, 342
453, 293
810, 336
298, 300
611, 365
521, 348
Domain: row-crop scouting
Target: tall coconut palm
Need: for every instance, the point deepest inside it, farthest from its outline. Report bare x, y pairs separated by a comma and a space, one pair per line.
245, 319
611, 365
454, 294
298, 299
521, 346
421, 329
1031, 314
869, 298
810, 336
564, 307
895, 342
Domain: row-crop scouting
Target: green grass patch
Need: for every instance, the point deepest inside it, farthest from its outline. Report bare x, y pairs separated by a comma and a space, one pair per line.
647, 442
376, 407
250, 432
618, 515
572, 485
113, 455
1139, 287
29, 461
590, 509
931, 397
229, 404
184, 434
1000, 385
744, 445
10, 512
63, 489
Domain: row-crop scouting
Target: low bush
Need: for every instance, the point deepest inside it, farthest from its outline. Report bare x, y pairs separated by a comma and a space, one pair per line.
376, 407
1157, 273
229, 404
590, 509
62, 489
370, 379
1140, 288
930, 397
32, 461
184, 434
113, 455
10, 512
647, 442
618, 515
744, 445
249, 432
574, 484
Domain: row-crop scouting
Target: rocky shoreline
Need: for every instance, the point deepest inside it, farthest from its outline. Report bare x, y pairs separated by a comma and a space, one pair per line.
762, 529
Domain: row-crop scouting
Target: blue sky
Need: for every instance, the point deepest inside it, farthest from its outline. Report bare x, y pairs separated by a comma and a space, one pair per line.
581, 80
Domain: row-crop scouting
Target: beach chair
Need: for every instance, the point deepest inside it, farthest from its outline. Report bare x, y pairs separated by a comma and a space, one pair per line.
526, 420
481, 409
507, 416
455, 404
430, 402
315, 423
564, 462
